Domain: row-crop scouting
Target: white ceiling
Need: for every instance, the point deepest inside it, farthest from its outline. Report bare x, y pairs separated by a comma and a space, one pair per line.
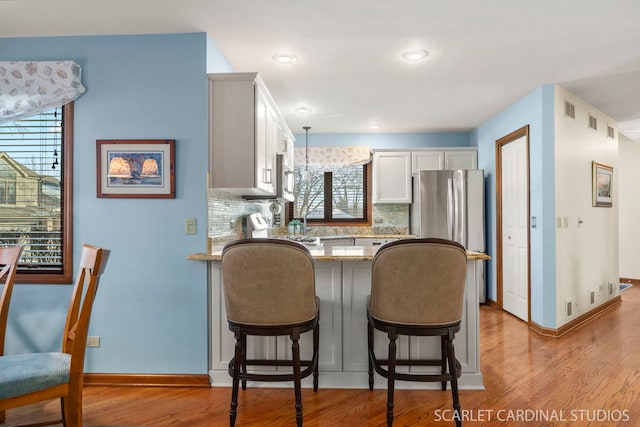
484, 54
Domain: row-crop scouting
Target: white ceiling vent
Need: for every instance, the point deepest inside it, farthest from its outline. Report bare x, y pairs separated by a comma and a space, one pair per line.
611, 133
593, 122
569, 110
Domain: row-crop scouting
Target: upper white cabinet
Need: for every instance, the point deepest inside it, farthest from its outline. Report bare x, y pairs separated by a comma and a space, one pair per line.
392, 170
392, 177
427, 160
461, 159
246, 130
437, 159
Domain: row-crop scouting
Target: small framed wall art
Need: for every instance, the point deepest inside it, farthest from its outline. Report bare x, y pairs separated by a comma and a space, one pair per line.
136, 168
602, 185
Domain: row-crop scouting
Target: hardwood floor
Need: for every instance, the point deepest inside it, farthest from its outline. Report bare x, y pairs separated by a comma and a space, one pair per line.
589, 377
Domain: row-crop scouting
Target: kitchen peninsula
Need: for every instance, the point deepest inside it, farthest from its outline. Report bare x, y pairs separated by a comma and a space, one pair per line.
343, 276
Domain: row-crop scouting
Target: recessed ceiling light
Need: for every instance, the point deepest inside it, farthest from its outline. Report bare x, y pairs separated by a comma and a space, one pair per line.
415, 55
302, 110
374, 126
284, 58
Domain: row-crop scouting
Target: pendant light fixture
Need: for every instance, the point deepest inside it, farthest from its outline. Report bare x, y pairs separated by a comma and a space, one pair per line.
306, 176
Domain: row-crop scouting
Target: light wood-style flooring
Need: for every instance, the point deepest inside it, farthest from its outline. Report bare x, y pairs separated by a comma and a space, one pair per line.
589, 377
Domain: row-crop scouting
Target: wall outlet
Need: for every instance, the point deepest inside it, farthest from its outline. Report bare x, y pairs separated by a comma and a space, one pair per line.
93, 341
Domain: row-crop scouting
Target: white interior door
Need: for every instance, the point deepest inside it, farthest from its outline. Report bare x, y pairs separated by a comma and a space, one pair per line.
515, 237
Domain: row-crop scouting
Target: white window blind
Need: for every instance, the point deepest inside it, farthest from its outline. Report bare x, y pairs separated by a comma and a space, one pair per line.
31, 191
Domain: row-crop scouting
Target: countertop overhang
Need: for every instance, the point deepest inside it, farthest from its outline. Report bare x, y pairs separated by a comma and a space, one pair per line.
327, 253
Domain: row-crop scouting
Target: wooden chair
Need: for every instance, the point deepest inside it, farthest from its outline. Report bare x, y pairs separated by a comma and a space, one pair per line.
417, 289
30, 378
269, 290
9, 262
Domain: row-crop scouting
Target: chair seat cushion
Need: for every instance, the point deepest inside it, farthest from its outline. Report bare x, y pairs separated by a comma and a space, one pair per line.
25, 373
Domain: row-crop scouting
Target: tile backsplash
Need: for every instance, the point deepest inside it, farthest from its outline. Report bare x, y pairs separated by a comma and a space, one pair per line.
226, 213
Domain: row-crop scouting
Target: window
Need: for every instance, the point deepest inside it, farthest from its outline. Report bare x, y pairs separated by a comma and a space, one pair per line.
35, 194
341, 197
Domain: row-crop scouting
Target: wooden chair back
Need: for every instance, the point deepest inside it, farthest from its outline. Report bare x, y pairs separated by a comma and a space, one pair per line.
92, 263
9, 262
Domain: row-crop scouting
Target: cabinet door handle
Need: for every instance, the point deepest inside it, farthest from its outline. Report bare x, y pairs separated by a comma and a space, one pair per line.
266, 176
288, 181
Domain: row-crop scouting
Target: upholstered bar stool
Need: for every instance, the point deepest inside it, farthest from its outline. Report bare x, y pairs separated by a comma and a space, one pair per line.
269, 290
417, 289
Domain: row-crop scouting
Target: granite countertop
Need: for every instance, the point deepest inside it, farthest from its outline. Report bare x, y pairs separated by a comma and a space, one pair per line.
328, 253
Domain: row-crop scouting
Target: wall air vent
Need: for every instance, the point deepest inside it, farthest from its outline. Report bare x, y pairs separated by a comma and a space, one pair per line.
611, 133
593, 122
570, 306
569, 110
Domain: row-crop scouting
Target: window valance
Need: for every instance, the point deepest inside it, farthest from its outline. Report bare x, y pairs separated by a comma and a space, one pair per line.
322, 159
31, 87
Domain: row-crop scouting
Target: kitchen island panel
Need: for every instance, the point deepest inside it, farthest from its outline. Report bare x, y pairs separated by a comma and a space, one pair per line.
356, 287
328, 289
343, 287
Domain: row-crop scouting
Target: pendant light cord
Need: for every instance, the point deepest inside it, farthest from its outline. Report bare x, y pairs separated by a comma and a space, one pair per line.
306, 149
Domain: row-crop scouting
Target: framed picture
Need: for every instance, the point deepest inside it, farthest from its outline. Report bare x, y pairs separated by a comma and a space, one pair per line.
602, 176
136, 168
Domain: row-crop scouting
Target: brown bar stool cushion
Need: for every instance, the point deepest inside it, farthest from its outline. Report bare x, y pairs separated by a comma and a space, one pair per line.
268, 282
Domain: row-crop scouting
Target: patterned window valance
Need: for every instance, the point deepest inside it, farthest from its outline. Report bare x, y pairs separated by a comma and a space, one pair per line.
31, 87
331, 158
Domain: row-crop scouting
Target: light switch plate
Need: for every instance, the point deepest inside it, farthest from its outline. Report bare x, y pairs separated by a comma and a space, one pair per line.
189, 226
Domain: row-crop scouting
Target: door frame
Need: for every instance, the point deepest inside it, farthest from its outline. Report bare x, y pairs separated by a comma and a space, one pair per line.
517, 134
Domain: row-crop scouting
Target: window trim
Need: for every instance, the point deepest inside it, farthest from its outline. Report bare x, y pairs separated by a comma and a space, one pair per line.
367, 221
66, 277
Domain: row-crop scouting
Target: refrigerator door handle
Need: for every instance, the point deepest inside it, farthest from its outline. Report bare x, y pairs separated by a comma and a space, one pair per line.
455, 234
450, 210
462, 213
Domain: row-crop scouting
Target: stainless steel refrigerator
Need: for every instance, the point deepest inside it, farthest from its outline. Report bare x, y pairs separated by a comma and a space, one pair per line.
449, 204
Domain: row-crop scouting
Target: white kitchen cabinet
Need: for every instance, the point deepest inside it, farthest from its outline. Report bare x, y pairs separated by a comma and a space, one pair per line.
245, 130
371, 241
392, 177
461, 159
438, 159
427, 160
344, 241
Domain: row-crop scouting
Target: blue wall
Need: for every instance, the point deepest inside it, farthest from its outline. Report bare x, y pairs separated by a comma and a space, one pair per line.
535, 110
151, 308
